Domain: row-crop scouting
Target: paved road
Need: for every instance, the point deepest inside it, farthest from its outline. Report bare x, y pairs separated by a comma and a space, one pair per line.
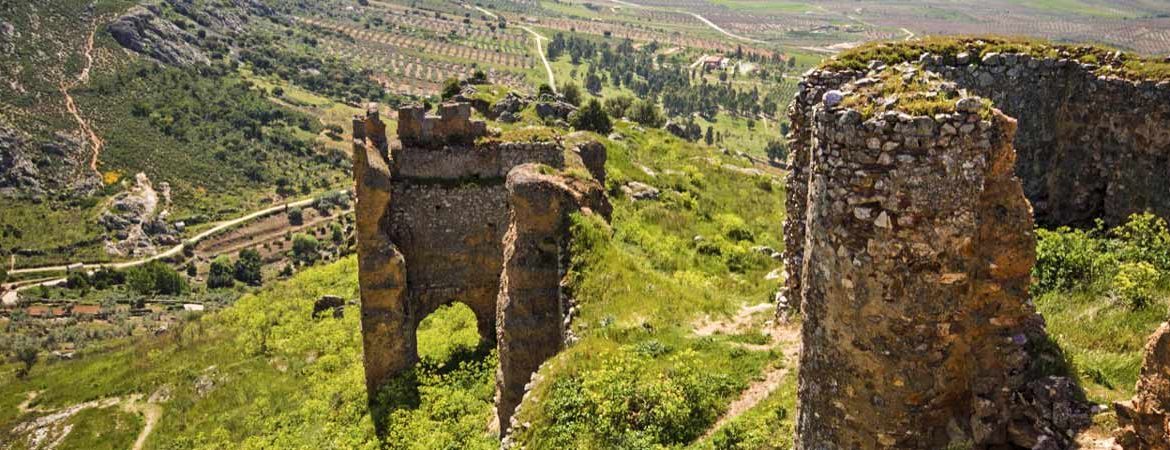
9, 297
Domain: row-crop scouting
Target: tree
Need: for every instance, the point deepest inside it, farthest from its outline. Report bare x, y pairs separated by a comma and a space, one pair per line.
278, 91
220, 274
710, 137
155, 278
3, 275
77, 280
617, 105
305, 247
296, 216
26, 354
591, 117
451, 88
337, 235
646, 113
776, 150
248, 267
572, 93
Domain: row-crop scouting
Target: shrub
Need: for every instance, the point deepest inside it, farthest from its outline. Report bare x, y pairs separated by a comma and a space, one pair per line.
247, 268
296, 216
451, 88
77, 280
3, 275
572, 93
26, 354
220, 274
591, 117
1067, 258
616, 106
1135, 283
155, 278
646, 113
305, 247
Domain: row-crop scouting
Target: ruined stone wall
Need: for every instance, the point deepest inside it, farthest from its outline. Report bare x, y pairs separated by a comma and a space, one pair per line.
1088, 146
485, 225
919, 248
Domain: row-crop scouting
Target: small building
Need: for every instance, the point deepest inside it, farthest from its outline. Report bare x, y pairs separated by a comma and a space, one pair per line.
714, 62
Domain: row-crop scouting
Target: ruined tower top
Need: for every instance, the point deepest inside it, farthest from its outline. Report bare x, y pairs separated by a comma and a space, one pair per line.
416, 128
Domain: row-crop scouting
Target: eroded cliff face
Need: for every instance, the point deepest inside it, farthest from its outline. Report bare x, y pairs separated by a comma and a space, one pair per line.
443, 220
1145, 419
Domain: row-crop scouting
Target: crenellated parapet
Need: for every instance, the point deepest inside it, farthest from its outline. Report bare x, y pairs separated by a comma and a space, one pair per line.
443, 219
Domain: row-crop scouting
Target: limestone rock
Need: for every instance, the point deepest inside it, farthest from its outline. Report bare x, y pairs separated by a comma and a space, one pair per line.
554, 110
1145, 420
144, 30
640, 191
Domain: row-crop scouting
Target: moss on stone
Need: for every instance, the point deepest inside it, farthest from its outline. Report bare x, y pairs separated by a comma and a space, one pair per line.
1112, 61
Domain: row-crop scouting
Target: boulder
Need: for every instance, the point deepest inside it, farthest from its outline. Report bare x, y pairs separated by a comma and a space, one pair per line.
554, 110
511, 104
145, 31
327, 304
640, 191
1144, 420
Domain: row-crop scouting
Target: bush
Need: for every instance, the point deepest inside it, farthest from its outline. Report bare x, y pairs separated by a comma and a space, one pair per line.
248, 267
617, 105
647, 113
296, 216
26, 354
3, 275
451, 88
220, 274
155, 278
572, 93
1067, 258
591, 117
305, 247
77, 280
1135, 283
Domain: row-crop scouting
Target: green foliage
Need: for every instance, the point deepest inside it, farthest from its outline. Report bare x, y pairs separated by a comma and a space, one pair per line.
155, 278
451, 88
617, 105
629, 402
591, 117
1102, 292
647, 113
26, 355
110, 428
77, 280
572, 93
296, 216
247, 269
777, 150
3, 274
305, 248
220, 274
1136, 283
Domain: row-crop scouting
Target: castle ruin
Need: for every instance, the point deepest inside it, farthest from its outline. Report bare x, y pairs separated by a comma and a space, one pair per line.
443, 219
910, 237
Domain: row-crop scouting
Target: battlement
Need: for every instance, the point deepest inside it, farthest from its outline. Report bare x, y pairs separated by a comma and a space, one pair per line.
452, 125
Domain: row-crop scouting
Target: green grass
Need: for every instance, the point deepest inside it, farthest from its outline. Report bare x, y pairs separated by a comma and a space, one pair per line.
641, 286
765, 6
103, 429
279, 378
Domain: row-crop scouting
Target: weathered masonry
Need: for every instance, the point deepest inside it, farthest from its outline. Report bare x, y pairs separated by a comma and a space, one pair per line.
442, 219
910, 239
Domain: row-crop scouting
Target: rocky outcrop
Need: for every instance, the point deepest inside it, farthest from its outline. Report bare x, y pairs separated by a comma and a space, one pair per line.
442, 220
509, 106
136, 220
33, 168
554, 110
144, 30
918, 246
1145, 420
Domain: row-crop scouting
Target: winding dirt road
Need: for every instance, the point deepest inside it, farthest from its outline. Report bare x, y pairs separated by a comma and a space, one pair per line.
95, 141
552, 80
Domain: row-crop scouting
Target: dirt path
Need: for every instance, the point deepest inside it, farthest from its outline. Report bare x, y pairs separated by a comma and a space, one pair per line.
783, 337
552, 80
51, 425
721, 30
909, 34
94, 140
